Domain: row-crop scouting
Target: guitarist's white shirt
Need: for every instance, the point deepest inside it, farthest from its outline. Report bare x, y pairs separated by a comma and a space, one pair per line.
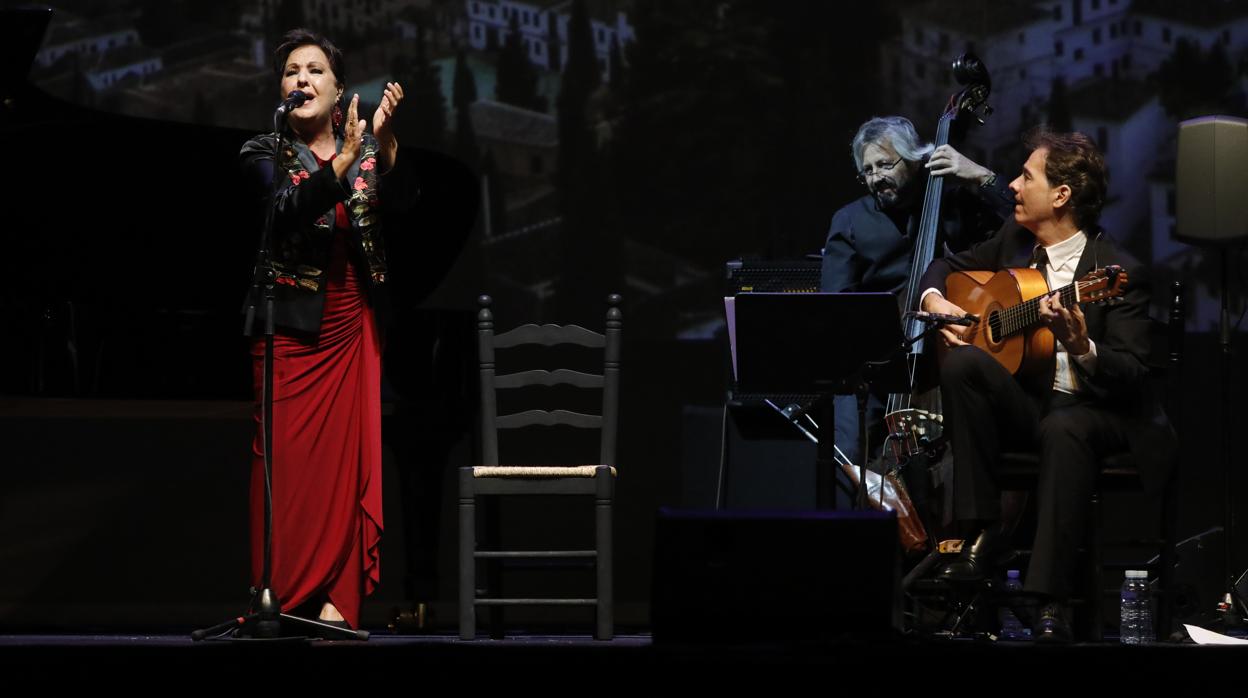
1063, 257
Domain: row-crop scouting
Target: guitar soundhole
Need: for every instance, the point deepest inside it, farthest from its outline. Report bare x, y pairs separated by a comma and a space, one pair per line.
994, 327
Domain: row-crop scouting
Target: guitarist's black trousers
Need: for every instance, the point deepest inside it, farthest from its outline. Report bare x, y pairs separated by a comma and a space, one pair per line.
987, 412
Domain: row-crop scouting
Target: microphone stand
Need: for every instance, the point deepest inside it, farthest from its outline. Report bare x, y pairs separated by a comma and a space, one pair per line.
1233, 604
265, 620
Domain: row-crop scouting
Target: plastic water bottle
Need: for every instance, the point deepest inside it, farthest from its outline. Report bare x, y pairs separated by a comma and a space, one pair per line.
1136, 615
1011, 627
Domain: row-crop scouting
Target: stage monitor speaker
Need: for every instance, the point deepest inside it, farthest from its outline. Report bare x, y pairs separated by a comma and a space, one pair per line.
774, 578
1211, 180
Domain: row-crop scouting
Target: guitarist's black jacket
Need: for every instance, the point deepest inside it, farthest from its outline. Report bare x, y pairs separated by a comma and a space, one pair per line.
1121, 330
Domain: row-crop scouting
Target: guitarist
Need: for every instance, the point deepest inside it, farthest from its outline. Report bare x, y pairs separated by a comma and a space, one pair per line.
1082, 409
870, 242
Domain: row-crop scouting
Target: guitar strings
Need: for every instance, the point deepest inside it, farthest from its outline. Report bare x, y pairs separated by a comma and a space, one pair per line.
1018, 317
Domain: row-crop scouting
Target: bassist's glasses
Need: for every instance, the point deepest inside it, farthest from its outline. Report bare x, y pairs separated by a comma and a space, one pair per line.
868, 172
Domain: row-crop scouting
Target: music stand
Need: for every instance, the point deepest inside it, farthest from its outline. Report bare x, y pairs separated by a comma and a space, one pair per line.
819, 343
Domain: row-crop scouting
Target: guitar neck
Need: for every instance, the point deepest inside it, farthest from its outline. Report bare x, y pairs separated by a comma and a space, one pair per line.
1020, 317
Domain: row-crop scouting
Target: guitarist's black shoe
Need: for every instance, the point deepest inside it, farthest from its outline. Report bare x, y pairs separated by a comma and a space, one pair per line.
979, 560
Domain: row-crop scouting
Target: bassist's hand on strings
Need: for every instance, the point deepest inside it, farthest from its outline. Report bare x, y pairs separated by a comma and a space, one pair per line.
947, 162
951, 334
1068, 325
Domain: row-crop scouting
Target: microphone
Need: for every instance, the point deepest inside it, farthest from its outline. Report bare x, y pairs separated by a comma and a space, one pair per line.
294, 100
942, 318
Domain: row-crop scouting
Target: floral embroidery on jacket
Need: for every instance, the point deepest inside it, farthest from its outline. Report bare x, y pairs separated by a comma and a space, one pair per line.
361, 208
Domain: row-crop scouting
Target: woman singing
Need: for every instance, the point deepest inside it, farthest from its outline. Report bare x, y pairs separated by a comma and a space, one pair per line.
330, 263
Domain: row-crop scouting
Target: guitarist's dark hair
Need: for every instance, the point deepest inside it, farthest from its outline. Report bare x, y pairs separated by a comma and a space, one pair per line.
1074, 160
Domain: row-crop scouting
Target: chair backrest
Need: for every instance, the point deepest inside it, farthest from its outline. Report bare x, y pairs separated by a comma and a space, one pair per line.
1166, 339
548, 336
1176, 332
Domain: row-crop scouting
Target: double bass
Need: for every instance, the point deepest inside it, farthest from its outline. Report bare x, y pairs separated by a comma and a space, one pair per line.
913, 419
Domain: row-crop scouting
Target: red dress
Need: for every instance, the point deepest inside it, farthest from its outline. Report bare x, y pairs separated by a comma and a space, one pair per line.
327, 450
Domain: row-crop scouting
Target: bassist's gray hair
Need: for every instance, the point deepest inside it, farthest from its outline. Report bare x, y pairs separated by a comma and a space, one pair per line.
895, 130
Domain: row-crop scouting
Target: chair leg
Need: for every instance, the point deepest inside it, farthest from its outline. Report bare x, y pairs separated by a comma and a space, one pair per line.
605, 626
1096, 553
1165, 576
467, 558
492, 537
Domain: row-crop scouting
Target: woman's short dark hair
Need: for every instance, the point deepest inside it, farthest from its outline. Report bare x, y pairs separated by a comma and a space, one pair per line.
1074, 160
306, 37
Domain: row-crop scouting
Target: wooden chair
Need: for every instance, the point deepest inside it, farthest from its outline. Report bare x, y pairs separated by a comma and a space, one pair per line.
493, 477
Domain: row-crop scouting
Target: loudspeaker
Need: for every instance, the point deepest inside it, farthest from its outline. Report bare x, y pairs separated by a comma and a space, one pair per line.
774, 577
768, 463
1211, 180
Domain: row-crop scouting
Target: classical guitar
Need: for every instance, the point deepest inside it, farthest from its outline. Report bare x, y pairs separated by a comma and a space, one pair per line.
1007, 305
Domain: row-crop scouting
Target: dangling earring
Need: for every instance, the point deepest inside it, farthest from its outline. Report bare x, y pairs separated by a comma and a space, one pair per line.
337, 117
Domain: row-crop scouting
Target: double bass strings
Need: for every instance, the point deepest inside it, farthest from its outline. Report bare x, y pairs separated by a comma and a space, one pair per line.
924, 252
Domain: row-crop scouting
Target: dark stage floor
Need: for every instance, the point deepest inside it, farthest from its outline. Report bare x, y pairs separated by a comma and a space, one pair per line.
635, 660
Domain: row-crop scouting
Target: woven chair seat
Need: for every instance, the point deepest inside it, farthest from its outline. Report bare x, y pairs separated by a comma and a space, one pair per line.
536, 471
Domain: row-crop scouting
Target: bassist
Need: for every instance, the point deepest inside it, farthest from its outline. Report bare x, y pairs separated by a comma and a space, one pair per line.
871, 240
